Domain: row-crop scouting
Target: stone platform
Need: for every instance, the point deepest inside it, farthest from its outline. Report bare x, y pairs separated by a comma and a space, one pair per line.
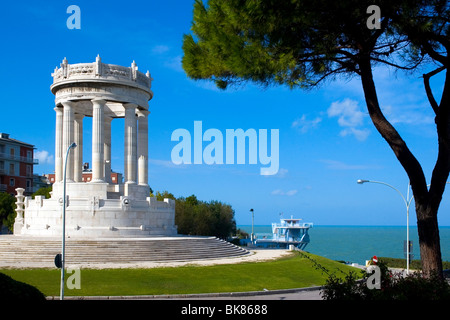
39, 252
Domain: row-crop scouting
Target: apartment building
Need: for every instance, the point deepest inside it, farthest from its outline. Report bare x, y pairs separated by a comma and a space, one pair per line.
16, 165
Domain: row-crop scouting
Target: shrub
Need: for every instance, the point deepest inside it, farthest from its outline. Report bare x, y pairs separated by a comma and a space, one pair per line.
393, 287
11, 289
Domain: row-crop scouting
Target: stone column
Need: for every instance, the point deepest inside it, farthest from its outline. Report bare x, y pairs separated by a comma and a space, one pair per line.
130, 158
107, 149
143, 146
78, 151
98, 138
58, 145
68, 125
19, 221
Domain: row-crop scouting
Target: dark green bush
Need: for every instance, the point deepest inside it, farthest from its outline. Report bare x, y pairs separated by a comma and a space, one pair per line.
393, 287
11, 289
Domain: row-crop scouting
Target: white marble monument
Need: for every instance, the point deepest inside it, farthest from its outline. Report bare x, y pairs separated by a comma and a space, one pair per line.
98, 208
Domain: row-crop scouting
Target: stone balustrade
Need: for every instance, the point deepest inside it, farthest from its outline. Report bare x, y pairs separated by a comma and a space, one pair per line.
100, 70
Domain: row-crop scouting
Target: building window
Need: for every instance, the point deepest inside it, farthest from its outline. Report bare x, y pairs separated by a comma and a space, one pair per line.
12, 182
11, 169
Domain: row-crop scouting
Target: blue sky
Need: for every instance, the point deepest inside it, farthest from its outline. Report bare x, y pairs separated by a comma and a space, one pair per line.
326, 138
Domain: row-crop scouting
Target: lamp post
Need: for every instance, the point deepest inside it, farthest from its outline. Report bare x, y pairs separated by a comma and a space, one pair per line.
252, 235
407, 202
61, 296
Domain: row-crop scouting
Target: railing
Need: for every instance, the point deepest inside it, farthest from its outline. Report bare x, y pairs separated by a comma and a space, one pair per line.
292, 225
6, 156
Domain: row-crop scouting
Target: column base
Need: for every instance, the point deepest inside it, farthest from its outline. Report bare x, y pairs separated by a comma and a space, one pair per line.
18, 225
135, 191
97, 181
81, 190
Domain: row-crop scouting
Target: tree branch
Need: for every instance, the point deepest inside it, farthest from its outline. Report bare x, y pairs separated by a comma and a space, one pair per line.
396, 65
426, 81
391, 135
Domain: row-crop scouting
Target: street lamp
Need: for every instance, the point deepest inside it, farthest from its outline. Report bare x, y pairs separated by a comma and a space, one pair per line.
61, 296
407, 202
252, 235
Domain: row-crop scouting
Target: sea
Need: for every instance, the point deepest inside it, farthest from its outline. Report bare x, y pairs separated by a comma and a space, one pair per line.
356, 244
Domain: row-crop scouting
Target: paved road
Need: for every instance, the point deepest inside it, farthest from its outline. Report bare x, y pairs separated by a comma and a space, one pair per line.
302, 295
291, 294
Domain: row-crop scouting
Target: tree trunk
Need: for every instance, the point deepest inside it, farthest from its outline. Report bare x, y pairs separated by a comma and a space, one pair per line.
429, 241
427, 203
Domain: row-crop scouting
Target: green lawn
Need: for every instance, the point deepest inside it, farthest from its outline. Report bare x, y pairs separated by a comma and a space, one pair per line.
294, 271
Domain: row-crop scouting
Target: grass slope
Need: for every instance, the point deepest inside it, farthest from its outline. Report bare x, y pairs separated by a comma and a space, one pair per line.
295, 271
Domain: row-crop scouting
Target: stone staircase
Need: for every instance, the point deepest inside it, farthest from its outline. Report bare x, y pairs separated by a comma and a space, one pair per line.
16, 251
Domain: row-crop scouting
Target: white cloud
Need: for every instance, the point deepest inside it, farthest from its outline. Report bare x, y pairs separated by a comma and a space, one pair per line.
174, 64
166, 163
283, 193
304, 124
350, 117
412, 115
160, 49
338, 165
291, 192
44, 157
348, 112
168, 60
360, 134
277, 191
280, 174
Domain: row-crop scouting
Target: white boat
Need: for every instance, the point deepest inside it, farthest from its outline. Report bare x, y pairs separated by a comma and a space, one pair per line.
287, 232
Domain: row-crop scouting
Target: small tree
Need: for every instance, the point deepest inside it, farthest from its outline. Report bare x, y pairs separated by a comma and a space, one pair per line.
7, 210
44, 191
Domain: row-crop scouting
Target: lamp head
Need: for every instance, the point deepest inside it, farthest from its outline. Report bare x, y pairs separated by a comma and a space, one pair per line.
360, 181
73, 145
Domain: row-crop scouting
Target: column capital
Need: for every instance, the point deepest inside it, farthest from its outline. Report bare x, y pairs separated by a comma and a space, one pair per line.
98, 101
79, 116
142, 113
130, 105
68, 103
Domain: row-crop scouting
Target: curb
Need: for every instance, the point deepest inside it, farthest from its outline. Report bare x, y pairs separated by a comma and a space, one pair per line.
189, 296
